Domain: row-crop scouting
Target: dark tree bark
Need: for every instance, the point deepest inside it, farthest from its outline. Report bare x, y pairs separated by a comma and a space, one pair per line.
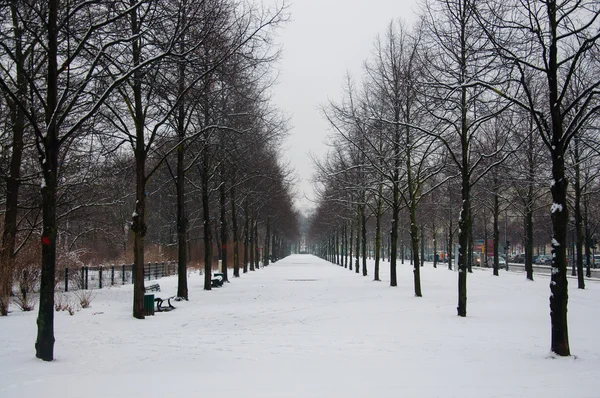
422, 241
529, 199
44, 345
560, 215
234, 232
252, 246
182, 288
528, 219
588, 237
13, 180
246, 235
224, 235
344, 246
464, 222
496, 227
358, 248
394, 232
363, 220
434, 237
450, 245
256, 247
207, 221
414, 238
578, 215
378, 248
267, 253
351, 242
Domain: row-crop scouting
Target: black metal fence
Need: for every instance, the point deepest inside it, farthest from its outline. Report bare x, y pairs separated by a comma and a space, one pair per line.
100, 276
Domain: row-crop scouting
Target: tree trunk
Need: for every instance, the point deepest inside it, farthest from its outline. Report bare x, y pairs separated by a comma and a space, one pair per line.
246, 235
344, 246
422, 263
414, 238
378, 233
350, 245
588, 237
267, 251
256, 246
434, 237
529, 239
578, 217
558, 284
358, 229
234, 231
464, 225
560, 214
363, 221
251, 248
450, 245
138, 225
496, 227
529, 210
13, 180
44, 346
470, 248
207, 222
182, 288
394, 235
464, 222
217, 235
224, 237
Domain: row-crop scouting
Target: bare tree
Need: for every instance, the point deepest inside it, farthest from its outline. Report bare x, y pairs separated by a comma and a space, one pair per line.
556, 41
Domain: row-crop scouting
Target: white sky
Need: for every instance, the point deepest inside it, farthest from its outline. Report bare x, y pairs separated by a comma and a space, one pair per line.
324, 40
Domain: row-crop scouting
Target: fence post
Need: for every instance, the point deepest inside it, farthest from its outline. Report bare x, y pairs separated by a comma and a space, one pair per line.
123, 274
100, 277
83, 277
66, 279
112, 275
87, 271
156, 270
149, 270
163, 268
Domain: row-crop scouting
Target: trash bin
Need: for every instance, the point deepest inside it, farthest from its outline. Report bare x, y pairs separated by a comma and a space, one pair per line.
148, 304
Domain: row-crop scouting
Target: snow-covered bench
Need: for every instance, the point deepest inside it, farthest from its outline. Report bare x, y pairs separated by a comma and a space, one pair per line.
159, 302
217, 279
152, 288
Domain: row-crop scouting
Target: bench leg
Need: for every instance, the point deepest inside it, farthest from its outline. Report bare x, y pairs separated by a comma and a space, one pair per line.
170, 305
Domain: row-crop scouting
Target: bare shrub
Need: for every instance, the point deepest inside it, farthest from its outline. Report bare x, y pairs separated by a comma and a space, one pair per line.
70, 308
64, 302
27, 275
59, 301
84, 297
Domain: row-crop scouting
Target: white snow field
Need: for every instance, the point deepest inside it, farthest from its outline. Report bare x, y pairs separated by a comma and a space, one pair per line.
303, 327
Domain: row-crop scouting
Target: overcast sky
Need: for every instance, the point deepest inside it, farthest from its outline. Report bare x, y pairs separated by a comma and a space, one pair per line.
324, 40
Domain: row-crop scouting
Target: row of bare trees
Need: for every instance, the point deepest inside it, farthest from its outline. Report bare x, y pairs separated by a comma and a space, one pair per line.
140, 120
473, 111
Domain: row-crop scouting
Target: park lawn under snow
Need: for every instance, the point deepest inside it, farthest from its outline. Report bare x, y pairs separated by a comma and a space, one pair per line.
303, 327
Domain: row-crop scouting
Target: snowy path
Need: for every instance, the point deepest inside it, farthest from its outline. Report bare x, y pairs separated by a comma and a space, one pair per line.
306, 328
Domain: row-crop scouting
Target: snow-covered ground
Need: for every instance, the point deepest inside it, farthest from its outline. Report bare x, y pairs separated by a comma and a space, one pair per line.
303, 327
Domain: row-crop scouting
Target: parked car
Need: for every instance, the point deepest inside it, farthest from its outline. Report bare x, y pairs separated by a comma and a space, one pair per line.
519, 258
544, 260
501, 261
